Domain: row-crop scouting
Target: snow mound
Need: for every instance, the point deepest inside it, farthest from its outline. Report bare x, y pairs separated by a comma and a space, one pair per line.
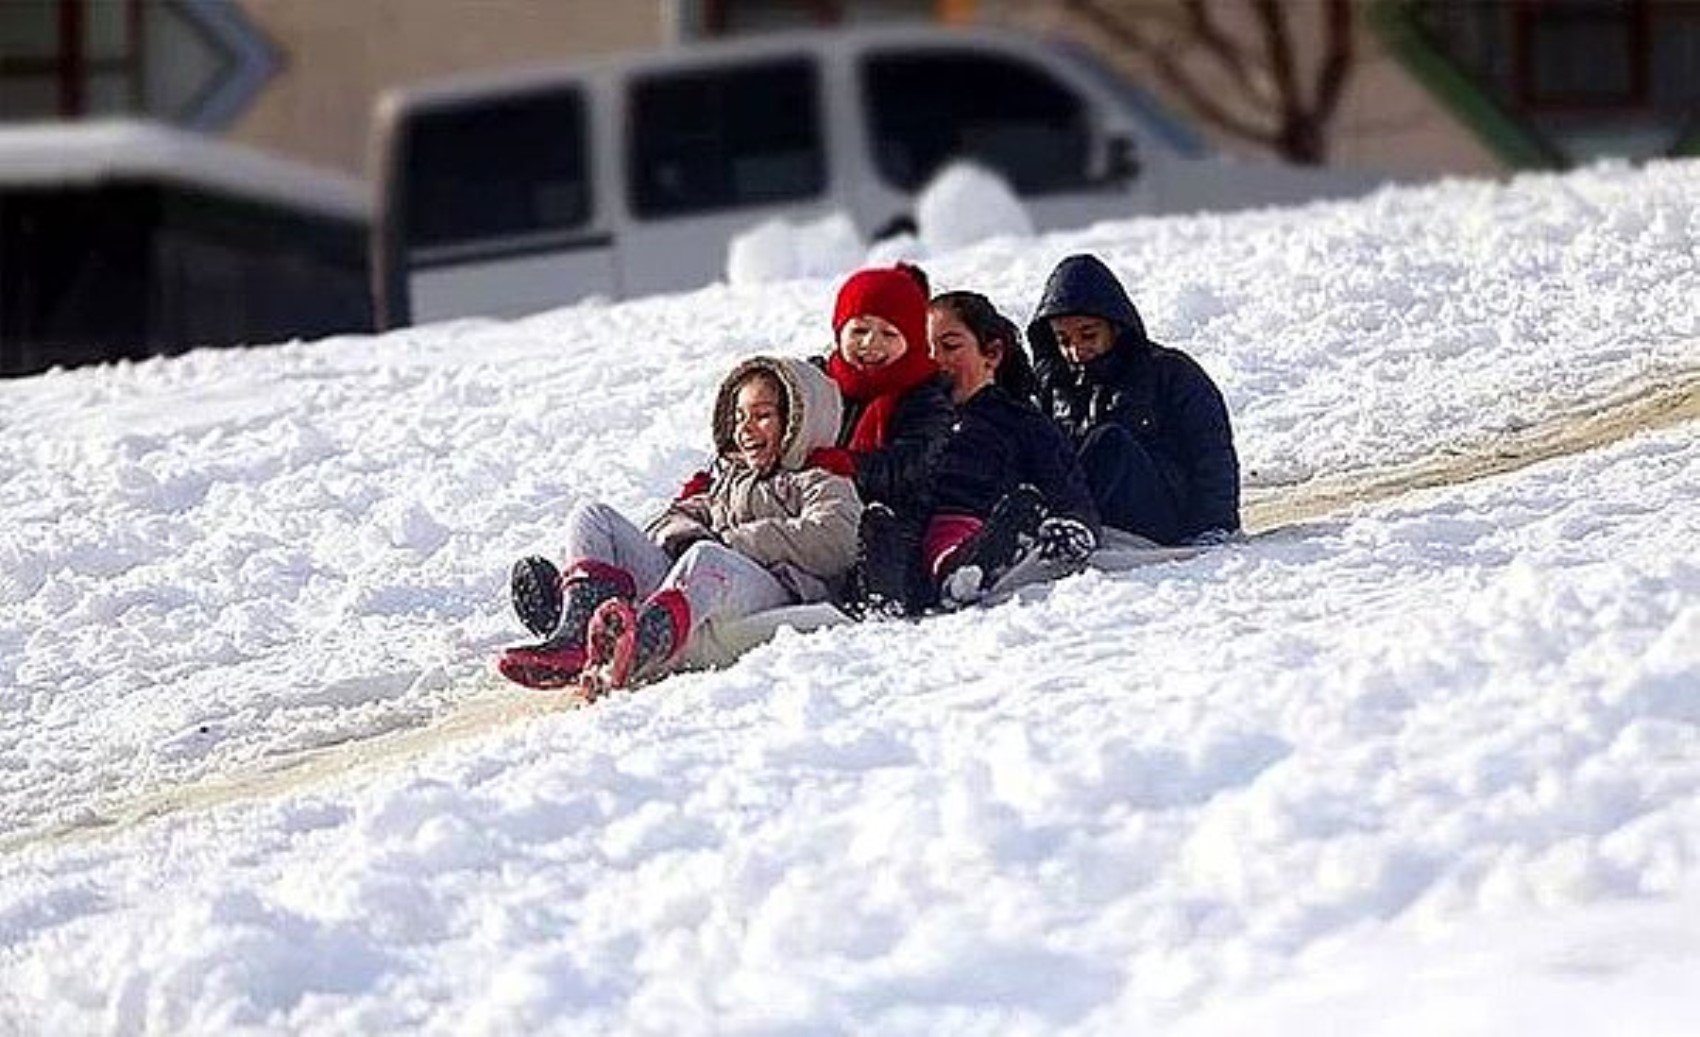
963, 205
780, 250
966, 204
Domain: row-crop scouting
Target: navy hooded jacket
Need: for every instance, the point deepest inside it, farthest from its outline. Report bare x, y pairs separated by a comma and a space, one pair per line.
1159, 395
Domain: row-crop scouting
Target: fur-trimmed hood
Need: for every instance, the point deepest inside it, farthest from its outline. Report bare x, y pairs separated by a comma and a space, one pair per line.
813, 408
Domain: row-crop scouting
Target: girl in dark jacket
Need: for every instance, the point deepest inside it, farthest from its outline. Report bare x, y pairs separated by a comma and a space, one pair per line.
1008, 473
897, 417
1151, 428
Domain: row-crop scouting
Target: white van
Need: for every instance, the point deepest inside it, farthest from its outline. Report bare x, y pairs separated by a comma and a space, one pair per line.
501, 195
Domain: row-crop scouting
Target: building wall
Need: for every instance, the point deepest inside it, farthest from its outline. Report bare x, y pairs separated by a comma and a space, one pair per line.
1386, 121
338, 56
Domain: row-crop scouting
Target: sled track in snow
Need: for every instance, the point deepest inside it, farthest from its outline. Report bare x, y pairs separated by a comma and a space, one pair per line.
1669, 401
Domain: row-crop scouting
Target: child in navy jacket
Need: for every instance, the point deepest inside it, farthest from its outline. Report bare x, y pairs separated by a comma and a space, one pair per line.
1150, 427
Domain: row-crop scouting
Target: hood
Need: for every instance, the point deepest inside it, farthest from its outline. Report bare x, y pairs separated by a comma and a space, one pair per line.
1082, 286
813, 408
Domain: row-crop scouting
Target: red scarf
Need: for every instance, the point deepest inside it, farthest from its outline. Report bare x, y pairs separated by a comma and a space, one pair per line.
880, 389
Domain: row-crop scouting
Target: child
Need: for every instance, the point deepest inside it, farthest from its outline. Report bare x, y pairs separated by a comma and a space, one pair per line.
1008, 473
1149, 425
763, 530
897, 416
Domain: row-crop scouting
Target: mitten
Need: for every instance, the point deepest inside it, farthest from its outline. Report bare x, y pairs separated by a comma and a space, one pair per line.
679, 539
697, 484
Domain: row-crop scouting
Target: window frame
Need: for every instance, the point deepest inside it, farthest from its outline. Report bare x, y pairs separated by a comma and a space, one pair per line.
1531, 18
72, 68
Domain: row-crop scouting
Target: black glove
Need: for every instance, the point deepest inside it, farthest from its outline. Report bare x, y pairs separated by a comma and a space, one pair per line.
678, 541
1065, 540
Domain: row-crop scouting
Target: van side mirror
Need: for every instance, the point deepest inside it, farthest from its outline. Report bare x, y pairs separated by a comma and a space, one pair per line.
1121, 160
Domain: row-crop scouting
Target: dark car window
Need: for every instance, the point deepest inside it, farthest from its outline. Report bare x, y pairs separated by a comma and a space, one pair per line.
702, 141
495, 171
925, 108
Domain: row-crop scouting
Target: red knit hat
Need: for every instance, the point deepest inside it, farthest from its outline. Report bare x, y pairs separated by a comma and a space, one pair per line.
889, 293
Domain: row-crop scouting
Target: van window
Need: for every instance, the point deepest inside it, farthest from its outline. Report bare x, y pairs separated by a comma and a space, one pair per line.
702, 141
497, 170
925, 108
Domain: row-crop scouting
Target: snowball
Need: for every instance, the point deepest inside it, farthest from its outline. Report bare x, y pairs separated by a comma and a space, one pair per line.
779, 250
965, 203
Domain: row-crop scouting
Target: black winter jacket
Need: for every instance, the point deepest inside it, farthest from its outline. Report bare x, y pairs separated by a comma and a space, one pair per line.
900, 474
1001, 442
1160, 395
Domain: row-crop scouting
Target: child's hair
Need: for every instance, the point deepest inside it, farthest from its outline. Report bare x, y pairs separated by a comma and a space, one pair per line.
726, 401
762, 374
919, 276
1014, 373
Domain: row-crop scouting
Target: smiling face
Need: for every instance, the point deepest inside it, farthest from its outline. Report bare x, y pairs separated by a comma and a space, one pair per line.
870, 342
1083, 338
758, 421
970, 364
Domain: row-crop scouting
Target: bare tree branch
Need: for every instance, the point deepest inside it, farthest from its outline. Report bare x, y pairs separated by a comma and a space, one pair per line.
1228, 53
1281, 113
1337, 62
1165, 61
1280, 49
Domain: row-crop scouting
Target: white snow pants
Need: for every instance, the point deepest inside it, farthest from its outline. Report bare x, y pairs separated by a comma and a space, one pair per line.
719, 583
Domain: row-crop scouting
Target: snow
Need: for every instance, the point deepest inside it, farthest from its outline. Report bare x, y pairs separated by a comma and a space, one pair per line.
46, 153
1425, 763
780, 250
965, 204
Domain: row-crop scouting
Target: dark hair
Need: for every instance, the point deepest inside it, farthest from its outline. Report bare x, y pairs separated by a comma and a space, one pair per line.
774, 382
919, 276
1014, 373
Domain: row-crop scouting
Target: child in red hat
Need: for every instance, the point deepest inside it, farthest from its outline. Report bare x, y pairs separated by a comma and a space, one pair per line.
897, 418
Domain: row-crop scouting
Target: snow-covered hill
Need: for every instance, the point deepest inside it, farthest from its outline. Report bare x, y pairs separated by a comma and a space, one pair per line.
1447, 743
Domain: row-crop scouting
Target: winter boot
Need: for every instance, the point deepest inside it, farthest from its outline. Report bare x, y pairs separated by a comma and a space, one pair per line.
1008, 531
881, 581
535, 587
557, 661
628, 646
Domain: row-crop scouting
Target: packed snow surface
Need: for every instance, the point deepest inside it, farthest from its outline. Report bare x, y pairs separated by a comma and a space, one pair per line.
1425, 766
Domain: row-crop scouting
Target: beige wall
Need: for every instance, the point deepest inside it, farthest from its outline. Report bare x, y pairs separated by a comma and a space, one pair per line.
339, 55
1386, 120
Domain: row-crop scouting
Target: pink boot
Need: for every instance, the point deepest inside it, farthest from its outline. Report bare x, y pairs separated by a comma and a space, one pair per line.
557, 661
630, 646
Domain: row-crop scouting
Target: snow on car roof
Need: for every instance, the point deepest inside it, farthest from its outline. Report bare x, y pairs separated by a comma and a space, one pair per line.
125, 149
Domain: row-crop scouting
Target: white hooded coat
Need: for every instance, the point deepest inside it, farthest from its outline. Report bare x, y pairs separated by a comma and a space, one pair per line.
799, 523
